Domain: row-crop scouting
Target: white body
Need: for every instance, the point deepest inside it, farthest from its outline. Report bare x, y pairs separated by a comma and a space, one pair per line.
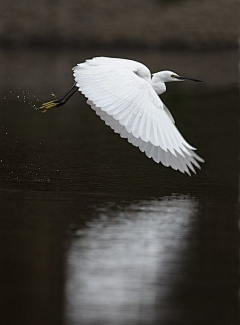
125, 96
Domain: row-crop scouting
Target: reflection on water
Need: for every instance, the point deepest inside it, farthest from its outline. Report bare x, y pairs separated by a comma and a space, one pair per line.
77, 258
127, 260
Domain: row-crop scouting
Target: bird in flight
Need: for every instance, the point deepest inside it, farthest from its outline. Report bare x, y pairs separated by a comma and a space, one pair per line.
125, 95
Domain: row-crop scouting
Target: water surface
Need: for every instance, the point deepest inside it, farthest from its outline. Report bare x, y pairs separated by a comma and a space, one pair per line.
92, 230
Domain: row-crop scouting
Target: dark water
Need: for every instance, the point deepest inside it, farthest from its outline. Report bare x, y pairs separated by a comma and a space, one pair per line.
92, 231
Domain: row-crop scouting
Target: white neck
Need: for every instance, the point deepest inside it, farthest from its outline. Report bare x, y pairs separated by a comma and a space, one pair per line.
158, 86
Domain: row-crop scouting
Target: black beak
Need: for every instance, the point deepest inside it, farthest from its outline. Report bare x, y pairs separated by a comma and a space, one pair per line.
185, 78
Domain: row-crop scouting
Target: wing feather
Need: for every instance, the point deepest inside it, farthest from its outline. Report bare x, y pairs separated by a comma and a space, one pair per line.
120, 92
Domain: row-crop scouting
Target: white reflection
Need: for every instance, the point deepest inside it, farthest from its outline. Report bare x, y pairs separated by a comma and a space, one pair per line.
126, 260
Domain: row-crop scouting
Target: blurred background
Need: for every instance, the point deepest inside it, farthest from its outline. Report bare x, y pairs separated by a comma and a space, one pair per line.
166, 24
92, 231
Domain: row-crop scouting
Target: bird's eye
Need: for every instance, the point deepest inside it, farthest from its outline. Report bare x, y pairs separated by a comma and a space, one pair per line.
173, 76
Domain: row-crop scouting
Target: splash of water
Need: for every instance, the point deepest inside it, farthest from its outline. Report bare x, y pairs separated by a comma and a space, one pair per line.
22, 95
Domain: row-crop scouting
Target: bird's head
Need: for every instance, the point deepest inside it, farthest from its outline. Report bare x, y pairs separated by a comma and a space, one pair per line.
168, 76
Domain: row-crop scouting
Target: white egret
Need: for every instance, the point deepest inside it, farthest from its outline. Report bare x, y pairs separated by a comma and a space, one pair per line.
125, 96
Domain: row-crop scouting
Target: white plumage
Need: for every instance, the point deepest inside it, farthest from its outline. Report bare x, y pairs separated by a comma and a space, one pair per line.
125, 97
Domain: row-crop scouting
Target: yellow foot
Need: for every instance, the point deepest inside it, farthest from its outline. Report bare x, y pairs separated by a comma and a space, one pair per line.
54, 96
48, 105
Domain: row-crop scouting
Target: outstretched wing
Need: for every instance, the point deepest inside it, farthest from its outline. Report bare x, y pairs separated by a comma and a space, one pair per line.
120, 92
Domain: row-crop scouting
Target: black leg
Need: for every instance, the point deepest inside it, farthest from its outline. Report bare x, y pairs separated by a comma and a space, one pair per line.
68, 92
59, 102
67, 96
